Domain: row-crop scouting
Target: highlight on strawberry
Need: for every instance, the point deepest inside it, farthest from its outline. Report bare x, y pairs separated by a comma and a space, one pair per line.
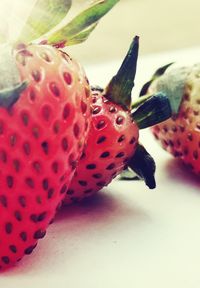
179, 135
112, 143
44, 121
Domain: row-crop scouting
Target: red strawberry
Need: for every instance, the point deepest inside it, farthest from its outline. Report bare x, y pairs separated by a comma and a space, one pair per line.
179, 135
44, 117
113, 137
43, 128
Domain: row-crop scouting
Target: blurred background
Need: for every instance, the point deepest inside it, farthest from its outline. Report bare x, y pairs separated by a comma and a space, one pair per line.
161, 25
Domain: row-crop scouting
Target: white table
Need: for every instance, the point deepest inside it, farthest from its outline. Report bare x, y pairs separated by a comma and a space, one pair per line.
127, 236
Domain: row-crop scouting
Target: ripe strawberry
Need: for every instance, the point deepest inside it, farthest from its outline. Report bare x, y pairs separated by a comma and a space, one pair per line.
44, 120
179, 135
113, 137
44, 127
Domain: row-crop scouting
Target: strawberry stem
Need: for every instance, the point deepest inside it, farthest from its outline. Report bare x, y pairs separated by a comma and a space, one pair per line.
120, 87
144, 166
154, 110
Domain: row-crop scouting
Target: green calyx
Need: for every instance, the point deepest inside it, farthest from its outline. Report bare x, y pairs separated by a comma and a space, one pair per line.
46, 15
143, 166
120, 87
171, 83
140, 167
51, 14
9, 96
154, 110
159, 72
150, 110
11, 85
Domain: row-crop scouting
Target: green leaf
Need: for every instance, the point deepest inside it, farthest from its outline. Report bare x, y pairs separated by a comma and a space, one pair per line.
145, 88
144, 166
120, 87
84, 20
172, 84
82, 36
9, 96
169, 82
45, 15
10, 81
140, 101
159, 72
153, 111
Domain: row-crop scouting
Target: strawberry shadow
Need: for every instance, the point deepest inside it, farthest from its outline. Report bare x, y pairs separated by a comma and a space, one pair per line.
97, 214
98, 208
177, 170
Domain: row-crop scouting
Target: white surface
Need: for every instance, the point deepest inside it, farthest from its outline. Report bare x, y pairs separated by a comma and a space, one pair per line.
127, 235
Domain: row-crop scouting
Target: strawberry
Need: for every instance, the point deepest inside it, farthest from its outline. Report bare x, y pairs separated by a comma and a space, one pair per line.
113, 137
44, 121
46, 125
179, 135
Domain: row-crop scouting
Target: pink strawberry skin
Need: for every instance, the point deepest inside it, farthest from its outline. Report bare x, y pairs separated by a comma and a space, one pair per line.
47, 125
112, 140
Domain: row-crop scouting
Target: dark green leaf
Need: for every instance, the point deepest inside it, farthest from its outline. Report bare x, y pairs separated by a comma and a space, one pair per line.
172, 84
10, 81
160, 71
144, 166
145, 88
9, 96
154, 110
120, 87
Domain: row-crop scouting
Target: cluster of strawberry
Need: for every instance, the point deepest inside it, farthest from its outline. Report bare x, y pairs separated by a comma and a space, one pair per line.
62, 140
45, 117
53, 120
